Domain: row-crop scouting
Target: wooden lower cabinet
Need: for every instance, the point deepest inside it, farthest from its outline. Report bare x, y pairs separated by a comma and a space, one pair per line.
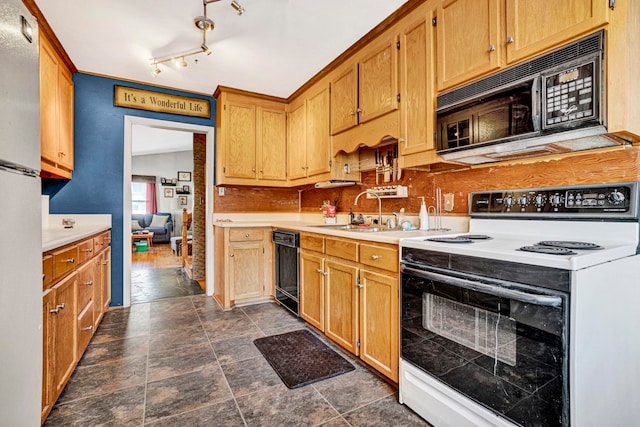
354, 301
73, 302
379, 322
243, 261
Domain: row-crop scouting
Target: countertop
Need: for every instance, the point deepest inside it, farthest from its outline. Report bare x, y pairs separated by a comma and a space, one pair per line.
453, 224
55, 235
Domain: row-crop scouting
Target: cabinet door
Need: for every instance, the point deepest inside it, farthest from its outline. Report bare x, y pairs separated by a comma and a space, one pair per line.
534, 26
297, 142
272, 144
65, 140
312, 289
64, 354
468, 44
378, 81
105, 280
318, 143
48, 331
379, 301
246, 267
418, 81
341, 305
344, 100
49, 114
96, 266
240, 146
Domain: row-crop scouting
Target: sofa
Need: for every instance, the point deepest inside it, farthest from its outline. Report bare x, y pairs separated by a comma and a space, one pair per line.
155, 223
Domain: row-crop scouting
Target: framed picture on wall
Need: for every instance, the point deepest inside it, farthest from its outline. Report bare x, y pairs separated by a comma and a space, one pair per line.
182, 200
185, 188
184, 176
168, 192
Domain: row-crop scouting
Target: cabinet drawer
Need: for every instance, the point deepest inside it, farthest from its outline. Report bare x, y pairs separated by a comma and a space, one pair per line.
64, 261
345, 249
312, 243
246, 234
385, 258
85, 327
85, 251
85, 285
47, 271
101, 241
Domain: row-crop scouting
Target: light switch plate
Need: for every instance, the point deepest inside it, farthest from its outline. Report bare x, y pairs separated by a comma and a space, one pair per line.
448, 202
220, 191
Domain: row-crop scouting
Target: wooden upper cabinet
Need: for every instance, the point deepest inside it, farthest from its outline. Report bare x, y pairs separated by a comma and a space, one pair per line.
378, 79
417, 70
534, 26
344, 99
241, 140
318, 151
297, 140
272, 144
251, 139
469, 44
367, 88
56, 113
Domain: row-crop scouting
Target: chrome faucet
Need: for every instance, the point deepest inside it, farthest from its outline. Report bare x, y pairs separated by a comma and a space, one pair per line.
379, 204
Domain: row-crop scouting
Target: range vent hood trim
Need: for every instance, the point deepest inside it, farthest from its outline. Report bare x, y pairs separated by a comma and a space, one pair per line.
334, 183
563, 142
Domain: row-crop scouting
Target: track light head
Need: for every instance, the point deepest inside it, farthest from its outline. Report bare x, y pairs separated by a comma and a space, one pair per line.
206, 49
180, 62
237, 7
203, 23
156, 71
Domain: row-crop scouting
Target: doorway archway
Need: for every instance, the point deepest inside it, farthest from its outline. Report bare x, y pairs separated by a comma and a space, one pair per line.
129, 122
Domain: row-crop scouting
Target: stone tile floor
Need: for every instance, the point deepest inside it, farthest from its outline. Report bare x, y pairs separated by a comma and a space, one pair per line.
185, 362
150, 284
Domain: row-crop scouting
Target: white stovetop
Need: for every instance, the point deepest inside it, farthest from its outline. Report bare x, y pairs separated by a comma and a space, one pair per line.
618, 239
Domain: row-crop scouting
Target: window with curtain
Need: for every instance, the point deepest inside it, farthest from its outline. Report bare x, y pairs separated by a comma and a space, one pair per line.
143, 194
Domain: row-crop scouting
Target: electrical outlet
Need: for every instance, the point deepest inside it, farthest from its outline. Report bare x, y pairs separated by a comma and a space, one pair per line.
220, 191
448, 202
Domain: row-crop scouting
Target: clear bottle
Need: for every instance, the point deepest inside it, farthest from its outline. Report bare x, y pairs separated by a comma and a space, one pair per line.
424, 216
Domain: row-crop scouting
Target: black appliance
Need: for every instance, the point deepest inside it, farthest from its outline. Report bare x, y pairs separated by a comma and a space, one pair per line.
287, 268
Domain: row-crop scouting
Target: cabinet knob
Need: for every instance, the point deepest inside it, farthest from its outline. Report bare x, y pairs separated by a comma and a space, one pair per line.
510, 39
54, 311
374, 257
352, 113
247, 235
61, 154
87, 250
70, 260
492, 47
60, 307
89, 283
324, 273
231, 256
88, 328
360, 286
253, 169
261, 170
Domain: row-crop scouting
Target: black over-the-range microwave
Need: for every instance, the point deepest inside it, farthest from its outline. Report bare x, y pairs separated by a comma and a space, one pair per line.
553, 103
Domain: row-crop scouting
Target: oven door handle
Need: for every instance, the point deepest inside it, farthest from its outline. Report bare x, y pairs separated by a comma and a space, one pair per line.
537, 299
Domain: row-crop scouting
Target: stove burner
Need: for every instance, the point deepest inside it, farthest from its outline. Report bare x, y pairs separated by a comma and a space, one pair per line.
569, 244
467, 238
549, 250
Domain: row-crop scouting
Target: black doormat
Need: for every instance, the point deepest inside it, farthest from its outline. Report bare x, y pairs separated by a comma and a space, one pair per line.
299, 358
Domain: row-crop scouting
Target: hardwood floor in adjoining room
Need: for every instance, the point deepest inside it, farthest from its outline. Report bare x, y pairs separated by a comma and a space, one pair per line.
157, 274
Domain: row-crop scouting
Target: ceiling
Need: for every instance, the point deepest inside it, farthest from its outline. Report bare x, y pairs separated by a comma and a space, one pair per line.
273, 48
149, 140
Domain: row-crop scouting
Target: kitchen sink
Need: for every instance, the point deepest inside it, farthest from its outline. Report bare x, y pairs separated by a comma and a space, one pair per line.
354, 228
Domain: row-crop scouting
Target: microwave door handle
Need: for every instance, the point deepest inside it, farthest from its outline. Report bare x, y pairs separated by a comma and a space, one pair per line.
536, 104
543, 300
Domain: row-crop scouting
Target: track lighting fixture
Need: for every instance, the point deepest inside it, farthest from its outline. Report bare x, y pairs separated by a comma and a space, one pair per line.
202, 23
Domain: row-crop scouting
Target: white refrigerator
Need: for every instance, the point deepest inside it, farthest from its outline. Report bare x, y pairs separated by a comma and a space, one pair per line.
20, 219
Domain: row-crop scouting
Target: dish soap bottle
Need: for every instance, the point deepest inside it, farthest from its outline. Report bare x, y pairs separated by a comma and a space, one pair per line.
423, 216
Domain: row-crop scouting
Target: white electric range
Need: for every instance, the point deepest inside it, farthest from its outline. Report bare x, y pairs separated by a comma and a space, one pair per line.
529, 318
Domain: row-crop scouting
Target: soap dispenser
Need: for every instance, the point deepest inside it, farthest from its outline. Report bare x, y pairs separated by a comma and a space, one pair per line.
424, 216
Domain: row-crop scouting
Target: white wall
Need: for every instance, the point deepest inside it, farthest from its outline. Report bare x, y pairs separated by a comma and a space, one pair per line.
167, 165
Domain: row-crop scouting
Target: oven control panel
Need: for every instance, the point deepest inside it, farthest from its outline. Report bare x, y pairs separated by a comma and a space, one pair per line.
589, 201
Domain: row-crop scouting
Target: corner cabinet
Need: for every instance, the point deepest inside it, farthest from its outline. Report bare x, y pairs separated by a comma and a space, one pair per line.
56, 113
250, 139
243, 265
308, 141
76, 294
349, 291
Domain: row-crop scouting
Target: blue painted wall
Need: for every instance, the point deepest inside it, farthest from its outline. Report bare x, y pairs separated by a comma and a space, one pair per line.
96, 186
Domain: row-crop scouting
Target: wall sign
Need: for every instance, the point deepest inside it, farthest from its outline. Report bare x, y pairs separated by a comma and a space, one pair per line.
161, 102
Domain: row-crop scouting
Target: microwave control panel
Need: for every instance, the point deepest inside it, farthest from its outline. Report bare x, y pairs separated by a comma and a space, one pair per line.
570, 95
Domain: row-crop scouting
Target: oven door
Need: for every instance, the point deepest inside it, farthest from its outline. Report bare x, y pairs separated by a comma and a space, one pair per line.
500, 344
